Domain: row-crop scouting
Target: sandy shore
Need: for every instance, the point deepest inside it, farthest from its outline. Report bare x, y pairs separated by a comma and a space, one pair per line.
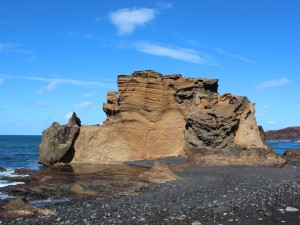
205, 195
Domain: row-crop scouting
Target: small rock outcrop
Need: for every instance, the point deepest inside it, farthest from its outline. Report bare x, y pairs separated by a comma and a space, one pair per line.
57, 144
159, 173
153, 116
18, 208
292, 155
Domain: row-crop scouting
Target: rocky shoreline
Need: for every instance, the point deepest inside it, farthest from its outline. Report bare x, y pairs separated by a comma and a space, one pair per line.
203, 195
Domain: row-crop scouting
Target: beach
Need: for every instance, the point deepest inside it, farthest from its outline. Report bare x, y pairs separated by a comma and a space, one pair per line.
204, 195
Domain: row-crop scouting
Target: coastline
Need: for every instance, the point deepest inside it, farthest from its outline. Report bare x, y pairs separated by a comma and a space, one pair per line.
204, 195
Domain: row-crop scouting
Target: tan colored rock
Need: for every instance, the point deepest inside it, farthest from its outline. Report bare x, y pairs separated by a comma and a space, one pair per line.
18, 208
248, 133
103, 145
154, 115
159, 173
225, 157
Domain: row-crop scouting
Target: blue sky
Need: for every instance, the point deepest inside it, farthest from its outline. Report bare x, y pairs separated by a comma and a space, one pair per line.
60, 56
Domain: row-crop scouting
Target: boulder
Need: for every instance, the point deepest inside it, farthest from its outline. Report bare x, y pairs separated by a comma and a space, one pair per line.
2, 169
57, 143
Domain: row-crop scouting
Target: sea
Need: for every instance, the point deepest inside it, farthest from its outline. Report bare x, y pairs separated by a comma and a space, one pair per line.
21, 151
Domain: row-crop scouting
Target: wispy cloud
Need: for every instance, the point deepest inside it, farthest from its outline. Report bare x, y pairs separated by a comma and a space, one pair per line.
7, 46
82, 105
67, 116
232, 55
272, 84
5, 23
88, 95
54, 82
127, 20
16, 48
271, 122
184, 54
93, 37
40, 104
164, 5
1, 80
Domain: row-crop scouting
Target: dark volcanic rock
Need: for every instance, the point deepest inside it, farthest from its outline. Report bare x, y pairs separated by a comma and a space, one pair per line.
289, 133
216, 127
2, 169
74, 120
57, 144
293, 155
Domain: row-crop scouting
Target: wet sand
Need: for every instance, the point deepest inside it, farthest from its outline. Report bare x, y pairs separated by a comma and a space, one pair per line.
204, 195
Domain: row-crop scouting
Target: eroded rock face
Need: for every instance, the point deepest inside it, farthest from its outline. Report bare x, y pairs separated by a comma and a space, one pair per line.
57, 143
165, 115
154, 115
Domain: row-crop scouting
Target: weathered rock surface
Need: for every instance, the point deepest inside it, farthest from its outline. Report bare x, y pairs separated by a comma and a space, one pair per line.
289, 133
159, 173
225, 157
154, 115
18, 208
292, 155
57, 144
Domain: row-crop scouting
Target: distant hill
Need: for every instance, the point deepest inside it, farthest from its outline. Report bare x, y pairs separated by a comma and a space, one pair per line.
289, 133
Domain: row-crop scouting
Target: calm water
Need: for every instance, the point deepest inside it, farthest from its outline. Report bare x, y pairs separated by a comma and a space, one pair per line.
21, 151
281, 146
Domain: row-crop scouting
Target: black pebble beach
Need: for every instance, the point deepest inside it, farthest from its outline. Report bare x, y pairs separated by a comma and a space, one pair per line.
204, 195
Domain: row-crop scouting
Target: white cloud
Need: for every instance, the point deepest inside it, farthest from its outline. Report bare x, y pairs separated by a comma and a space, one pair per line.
271, 122
53, 83
127, 20
232, 55
88, 95
164, 5
2, 22
261, 114
7, 46
82, 105
12, 47
272, 84
40, 104
93, 37
184, 54
67, 116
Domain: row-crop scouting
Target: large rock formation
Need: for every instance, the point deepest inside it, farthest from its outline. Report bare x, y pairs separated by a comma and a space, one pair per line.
153, 116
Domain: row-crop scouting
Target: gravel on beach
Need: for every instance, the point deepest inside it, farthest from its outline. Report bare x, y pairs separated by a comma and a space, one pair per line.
204, 195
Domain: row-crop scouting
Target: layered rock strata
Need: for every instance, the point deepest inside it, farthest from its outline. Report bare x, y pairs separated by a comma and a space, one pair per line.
154, 115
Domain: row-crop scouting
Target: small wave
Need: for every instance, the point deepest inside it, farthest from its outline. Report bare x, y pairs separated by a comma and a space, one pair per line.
7, 173
4, 196
19, 175
5, 184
